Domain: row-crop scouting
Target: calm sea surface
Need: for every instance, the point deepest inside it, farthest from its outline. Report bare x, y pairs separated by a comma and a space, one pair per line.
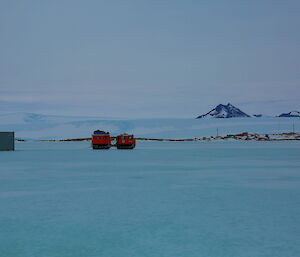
162, 199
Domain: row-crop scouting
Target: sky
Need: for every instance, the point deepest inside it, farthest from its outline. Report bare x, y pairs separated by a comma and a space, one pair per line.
149, 58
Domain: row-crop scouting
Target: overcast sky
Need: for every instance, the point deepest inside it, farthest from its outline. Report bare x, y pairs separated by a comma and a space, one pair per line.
149, 58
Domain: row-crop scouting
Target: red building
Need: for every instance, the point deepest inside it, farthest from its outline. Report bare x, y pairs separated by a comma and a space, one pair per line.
101, 140
125, 141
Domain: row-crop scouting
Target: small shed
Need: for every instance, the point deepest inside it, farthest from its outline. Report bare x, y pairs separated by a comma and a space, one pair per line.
7, 141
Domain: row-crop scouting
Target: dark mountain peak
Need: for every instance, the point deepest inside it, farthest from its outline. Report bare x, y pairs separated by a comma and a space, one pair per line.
225, 111
290, 114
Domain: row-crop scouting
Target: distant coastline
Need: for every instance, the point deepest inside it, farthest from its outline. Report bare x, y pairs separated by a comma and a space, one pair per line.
289, 136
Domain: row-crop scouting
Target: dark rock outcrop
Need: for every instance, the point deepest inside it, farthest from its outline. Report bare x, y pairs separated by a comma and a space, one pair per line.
290, 114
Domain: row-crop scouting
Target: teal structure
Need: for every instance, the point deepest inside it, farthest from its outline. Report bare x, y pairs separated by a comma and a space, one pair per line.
7, 141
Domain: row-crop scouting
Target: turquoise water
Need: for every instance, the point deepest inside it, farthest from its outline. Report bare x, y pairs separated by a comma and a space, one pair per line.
162, 199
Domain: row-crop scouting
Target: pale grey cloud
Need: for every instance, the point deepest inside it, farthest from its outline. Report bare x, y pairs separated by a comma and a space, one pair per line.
149, 58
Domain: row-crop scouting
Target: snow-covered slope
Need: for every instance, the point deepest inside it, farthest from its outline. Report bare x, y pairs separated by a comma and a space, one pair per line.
37, 126
225, 111
30, 118
290, 114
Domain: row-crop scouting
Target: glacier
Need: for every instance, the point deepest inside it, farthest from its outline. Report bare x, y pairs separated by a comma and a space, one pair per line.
33, 126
